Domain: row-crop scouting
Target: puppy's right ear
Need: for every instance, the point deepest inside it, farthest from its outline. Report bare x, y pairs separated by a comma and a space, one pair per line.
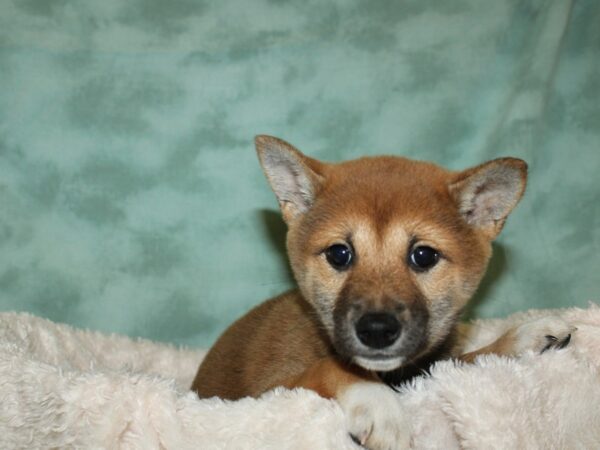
294, 177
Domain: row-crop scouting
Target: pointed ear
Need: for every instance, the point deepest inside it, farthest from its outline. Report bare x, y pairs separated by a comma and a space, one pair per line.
486, 194
294, 177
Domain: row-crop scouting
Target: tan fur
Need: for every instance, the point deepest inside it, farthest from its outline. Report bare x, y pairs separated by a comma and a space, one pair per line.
383, 205
504, 345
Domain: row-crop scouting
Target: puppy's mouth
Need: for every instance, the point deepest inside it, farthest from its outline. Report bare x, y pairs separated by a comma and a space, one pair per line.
381, 339
379, 364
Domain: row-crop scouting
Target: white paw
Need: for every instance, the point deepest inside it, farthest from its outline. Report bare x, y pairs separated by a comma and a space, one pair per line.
542, 334
375, 417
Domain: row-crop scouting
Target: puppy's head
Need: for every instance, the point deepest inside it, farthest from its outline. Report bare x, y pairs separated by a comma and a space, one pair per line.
388, 250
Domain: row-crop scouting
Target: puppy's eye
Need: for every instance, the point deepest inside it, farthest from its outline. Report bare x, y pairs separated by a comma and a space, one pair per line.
423, 258
339, 256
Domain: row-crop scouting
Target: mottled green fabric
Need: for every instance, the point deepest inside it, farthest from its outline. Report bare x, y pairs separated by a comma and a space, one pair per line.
130, 195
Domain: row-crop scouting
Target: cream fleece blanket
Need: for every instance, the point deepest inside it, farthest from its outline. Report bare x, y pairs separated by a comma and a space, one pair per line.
66, 388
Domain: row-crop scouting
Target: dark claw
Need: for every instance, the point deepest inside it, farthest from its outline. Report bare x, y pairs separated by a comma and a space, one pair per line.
565, 342
553, 342
356, 441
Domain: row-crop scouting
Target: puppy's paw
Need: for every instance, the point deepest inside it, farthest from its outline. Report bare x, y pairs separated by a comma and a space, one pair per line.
375, 417
540, 335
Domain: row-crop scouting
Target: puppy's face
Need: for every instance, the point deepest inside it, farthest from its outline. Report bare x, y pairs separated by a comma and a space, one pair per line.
388, 250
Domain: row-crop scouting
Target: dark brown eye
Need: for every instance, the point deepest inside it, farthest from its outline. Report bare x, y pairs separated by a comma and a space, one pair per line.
423, 258
339, 256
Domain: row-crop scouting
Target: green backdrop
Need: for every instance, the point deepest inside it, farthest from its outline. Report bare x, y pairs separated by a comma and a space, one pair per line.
131, 199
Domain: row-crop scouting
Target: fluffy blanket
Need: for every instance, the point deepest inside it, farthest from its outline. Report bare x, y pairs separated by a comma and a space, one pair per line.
68, 388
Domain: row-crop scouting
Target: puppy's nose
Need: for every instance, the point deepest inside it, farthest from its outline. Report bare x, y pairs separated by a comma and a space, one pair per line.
378, 330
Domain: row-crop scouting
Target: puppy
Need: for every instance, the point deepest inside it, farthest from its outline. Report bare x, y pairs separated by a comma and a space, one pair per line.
386, 252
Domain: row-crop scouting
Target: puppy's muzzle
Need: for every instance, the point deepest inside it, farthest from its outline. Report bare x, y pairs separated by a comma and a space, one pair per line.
378, 330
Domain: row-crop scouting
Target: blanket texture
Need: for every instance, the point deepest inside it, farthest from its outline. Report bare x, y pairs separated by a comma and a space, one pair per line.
61, 387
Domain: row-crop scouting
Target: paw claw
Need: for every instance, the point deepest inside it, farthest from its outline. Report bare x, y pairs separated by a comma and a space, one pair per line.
545, 333
565, 342
554, 343
375, 417
357, 441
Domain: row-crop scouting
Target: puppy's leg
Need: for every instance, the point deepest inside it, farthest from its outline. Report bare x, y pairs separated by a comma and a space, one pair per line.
536, 335
372, 409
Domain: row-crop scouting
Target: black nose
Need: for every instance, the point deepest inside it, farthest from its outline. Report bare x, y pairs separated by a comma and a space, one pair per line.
378, 330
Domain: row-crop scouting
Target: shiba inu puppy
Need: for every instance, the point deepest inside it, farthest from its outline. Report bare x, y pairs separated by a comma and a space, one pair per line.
386, 252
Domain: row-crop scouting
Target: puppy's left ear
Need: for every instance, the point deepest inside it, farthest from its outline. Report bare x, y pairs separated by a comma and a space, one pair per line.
486, 194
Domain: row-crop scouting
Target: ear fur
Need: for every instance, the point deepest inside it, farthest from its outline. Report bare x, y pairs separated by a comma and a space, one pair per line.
294, 177
486, 194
